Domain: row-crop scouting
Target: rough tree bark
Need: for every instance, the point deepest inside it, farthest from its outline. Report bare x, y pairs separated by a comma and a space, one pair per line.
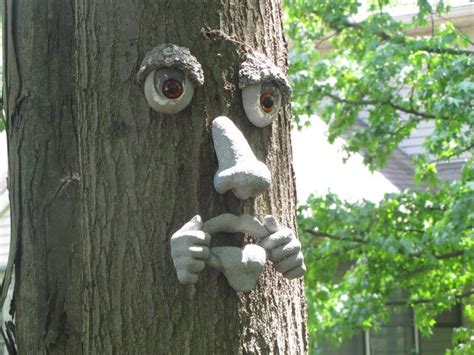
97, 192
43, 174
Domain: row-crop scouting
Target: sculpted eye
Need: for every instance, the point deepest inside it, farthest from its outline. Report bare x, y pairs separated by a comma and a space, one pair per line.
168, 75
172, 88
261, 103
168, 90
265, 88
267, 102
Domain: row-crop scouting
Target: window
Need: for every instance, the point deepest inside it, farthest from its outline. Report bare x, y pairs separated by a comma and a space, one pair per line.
399, 337
437, 343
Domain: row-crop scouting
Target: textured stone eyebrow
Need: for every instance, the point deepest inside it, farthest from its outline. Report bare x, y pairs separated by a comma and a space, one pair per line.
171, 56
257, 68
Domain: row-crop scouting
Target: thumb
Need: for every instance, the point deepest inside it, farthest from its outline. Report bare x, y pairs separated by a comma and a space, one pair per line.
271, 224
195, 224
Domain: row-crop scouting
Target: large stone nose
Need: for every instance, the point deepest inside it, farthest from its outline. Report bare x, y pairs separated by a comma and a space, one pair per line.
239, 170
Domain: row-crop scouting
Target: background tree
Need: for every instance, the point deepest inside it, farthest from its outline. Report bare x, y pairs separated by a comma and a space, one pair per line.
420, 241
99, 182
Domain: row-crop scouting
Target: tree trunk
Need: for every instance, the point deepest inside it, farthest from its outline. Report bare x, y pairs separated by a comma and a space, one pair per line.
43, 174
134, 177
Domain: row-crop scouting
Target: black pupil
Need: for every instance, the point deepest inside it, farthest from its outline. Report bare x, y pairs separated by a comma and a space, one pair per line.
267, 101
172, 88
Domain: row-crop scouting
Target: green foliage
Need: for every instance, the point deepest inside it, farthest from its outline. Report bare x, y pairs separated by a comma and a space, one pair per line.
360, 254
422, 242
375, 68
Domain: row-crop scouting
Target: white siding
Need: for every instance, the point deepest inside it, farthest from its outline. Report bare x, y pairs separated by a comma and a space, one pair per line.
4, 238
4, 227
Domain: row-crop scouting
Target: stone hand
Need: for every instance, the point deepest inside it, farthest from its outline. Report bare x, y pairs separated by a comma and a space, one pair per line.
190, 250
283, 249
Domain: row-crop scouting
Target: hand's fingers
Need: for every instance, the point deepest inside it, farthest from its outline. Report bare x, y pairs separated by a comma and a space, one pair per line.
189, 249
200, 238
214, 262
230, 223
186, 277
285, 250
296, 272
190, 238
195, 224
195, 266
182, 245
289, 263
276, 239
271, 224
199, 252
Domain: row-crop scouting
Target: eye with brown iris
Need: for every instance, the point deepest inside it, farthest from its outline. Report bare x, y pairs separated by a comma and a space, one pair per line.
172, 88
267, 101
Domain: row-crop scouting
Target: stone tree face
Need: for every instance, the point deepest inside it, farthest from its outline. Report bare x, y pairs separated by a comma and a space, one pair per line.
168, 75
185, 200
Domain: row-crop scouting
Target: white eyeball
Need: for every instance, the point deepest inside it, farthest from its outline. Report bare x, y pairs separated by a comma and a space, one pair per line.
261, 103
168, 90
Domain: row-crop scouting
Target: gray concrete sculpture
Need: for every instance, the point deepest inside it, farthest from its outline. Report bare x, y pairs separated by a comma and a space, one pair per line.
265, 89
169, 74
241, 266
190, 250
239, 170
283, 249
229, 223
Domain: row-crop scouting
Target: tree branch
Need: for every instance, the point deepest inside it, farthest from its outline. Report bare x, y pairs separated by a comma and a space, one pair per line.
340, 252
424, 300
450, 255
377, 102
410, 230
334, 237
386, 37
445, 256
454, 254
325, 39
